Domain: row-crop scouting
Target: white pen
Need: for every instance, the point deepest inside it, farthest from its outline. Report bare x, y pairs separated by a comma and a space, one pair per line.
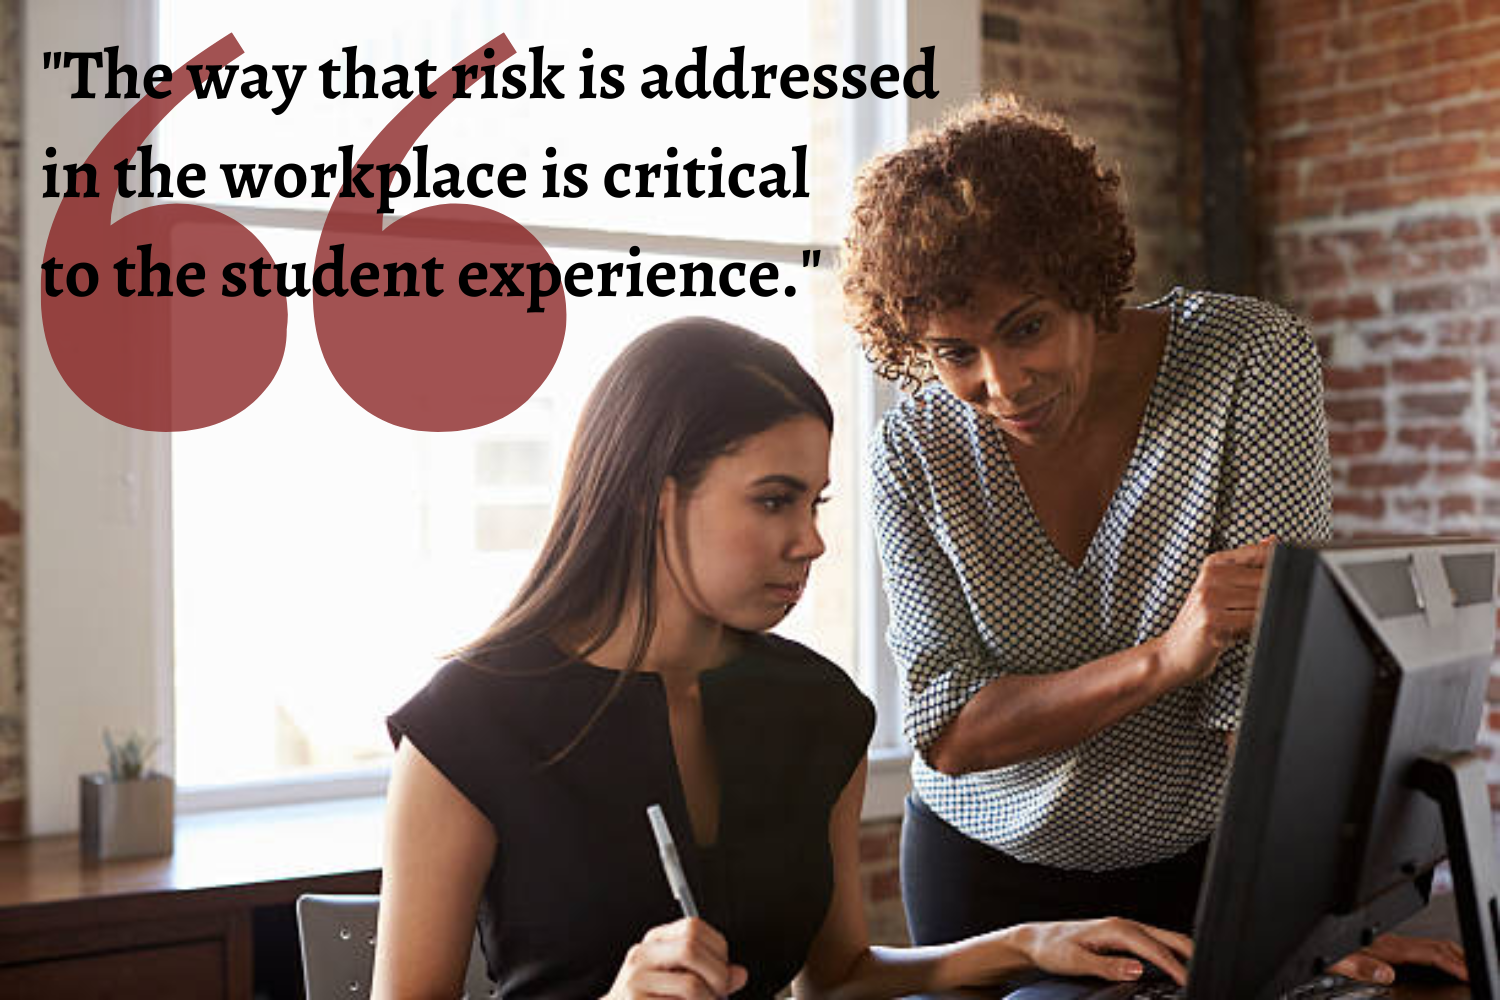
670, 862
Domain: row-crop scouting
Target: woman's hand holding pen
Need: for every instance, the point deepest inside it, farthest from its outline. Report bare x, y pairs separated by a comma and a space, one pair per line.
686, 959
1219, 612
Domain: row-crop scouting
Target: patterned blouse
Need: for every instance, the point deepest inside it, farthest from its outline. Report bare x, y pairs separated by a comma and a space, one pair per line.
1233, 447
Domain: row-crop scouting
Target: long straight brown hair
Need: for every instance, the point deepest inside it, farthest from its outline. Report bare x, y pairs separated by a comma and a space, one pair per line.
676, 398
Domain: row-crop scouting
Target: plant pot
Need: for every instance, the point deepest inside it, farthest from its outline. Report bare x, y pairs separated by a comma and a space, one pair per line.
125, 819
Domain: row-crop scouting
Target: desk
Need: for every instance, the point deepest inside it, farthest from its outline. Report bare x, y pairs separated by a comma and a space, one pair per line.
211, 921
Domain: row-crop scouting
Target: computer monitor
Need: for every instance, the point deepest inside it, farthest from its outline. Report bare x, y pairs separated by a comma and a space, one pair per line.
1354, 771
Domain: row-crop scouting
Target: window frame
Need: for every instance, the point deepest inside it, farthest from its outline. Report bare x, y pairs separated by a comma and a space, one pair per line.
97, 525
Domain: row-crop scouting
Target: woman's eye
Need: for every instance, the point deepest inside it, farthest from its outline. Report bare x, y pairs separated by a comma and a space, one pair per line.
954, 356
776, 503
1028, 330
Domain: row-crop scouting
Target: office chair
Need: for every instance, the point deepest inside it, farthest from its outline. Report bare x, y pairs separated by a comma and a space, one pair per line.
338, 949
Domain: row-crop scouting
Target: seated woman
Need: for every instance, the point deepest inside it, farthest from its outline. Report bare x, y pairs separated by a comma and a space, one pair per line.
633, 668
1072, 522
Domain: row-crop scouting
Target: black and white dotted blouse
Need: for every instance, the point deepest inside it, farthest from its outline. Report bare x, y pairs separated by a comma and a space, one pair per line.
1233, 447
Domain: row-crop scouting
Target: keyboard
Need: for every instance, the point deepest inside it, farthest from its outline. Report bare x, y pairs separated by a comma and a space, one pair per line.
1325, 987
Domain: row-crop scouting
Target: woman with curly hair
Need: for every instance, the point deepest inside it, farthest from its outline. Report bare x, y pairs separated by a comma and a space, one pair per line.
1073, 520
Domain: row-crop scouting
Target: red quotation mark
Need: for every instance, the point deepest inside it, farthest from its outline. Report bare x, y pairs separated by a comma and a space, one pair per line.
157, 362
435, 363
442, 363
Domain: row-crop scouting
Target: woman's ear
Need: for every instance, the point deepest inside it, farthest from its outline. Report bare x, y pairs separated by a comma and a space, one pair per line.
666, 500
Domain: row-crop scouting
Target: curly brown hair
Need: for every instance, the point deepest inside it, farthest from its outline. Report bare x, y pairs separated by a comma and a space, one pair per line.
997, 192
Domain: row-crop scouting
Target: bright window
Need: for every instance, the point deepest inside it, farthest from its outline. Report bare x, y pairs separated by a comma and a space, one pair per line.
323, 559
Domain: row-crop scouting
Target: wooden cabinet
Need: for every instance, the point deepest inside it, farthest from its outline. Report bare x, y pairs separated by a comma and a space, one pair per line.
214, 920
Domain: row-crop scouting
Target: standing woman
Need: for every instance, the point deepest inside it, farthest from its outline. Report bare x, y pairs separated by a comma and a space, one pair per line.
1071, 522
633, 668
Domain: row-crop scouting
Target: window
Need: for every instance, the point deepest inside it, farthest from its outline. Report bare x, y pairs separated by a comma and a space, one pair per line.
270, 587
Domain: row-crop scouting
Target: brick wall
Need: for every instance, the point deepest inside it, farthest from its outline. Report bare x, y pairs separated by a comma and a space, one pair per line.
12, 791
1378, 178
1112, 69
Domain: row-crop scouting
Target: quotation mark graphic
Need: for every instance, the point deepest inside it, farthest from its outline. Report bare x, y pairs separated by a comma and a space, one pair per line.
154, 346
164, 352
442, 363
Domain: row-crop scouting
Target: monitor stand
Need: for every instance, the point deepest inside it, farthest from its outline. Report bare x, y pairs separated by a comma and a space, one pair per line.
1457, 782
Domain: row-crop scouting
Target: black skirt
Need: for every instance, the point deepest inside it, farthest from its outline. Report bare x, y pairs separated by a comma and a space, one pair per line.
955, 887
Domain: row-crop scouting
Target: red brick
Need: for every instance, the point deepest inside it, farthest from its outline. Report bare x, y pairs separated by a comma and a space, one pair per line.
1437, 156
1476, 10
1439, 369
1466, 258
1298, 46
884, 886
1479, 115
1488, 75
1457, 506
1310, 145
1439, 438
1393, 128
878, 845
1435, 404
1385, 474
1431, 298
1355, 241
1291, 209
1355, 411
1432, 87
1492, 689
1367, 6
1390, 195
1347, 444
1402, 336
1346, 35
1471, 182
1294, 78
1342, 173
1270, 182
1434, 17
1344, 379
1405, 266
1067, 39
1468, 44
1278, 17
1372, 507
1346, 104
1419, 507
1387, 63
1354, 307
1271, 118
1432, 228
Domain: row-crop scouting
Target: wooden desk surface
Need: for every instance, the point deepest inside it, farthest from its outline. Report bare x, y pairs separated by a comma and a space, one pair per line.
255, 855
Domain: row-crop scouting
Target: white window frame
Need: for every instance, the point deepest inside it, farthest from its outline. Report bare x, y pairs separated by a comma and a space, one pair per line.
97, 580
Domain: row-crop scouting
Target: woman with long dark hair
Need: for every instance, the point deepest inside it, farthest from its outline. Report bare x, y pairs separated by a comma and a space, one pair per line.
633, 668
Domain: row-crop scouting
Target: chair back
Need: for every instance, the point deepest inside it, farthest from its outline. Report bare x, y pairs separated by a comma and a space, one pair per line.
338, 949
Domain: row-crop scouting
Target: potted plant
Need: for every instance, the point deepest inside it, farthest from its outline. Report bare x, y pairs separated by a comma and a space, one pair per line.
126, 813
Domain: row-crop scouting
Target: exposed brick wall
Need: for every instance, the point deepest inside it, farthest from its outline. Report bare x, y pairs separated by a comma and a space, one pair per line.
1378, 176
880, 875
12, 790
1112, 69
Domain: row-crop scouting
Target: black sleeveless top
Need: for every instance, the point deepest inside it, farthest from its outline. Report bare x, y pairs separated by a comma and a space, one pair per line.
576, 879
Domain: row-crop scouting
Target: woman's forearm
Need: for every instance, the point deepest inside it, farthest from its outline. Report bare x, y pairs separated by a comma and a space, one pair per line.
1020, 717
881, 973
